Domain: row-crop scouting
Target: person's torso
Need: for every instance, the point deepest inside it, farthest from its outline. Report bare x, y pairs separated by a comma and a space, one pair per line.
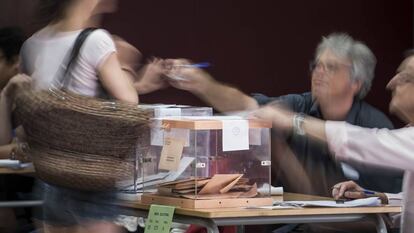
45, 57
315, 157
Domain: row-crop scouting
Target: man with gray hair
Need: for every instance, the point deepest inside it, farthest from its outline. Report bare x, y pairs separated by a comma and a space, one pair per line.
341, 77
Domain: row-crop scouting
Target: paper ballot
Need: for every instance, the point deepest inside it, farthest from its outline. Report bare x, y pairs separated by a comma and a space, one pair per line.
235, 135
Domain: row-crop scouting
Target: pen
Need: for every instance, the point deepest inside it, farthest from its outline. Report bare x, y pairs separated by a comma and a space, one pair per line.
369, 193
195, 65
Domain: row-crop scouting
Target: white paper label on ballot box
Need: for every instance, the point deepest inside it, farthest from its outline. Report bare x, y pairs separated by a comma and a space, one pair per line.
235, 135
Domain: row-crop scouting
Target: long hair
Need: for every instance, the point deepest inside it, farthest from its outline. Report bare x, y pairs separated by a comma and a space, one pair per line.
50, 11
11, 40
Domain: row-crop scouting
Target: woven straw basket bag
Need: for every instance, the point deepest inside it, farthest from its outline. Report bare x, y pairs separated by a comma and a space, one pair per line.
82, 142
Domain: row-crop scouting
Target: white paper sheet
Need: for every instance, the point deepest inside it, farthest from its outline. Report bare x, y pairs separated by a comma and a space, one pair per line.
9, 163
154, 106
15, 164
215, 118
371, 201
395, 199
235, 135
272, 207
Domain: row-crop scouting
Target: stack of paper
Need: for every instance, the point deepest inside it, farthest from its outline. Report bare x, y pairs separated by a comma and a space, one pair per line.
15, 164
218, 186
370, 201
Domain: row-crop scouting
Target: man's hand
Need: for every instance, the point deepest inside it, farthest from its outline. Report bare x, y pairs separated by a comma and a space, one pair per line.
182, 76
351, 190
348, 189
281, 118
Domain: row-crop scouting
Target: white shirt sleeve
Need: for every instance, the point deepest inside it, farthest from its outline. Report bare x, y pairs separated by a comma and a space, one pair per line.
382, 147
394, 198
97, 47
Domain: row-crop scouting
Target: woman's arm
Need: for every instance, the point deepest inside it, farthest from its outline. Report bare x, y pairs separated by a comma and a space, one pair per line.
99, 51
6, 96
6, 151
5, 119
115, 81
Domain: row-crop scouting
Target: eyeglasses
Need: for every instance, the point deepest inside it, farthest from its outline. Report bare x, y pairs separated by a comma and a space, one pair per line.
329, 68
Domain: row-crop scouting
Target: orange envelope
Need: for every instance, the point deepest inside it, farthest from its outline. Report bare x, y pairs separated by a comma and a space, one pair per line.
218, 182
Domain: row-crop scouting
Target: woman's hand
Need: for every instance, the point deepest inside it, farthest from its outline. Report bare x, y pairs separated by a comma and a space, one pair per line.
20, 151
17, 80
151, 77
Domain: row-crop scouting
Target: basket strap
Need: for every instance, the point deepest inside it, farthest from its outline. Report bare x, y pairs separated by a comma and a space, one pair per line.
74, 53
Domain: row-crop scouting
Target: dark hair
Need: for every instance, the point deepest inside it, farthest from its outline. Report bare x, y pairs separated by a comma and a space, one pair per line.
11, 40
52, 10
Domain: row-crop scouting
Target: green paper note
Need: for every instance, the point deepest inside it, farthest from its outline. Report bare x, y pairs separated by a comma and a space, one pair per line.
159, 219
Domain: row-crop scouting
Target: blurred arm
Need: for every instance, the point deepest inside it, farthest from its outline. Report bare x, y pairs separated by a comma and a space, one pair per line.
6, 150
222, 97
5, 119
287, 168
6, 96
381, 147
115, 81
394, 198
129, 57
150, 77
226, 98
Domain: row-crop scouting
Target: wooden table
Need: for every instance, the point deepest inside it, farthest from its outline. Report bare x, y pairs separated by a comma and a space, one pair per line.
212, 218
20, 171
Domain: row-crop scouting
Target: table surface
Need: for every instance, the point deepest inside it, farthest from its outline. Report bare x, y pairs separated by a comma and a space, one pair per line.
10, 171
243, 212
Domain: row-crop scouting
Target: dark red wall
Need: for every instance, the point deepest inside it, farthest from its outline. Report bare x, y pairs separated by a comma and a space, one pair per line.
263, 46
259, 46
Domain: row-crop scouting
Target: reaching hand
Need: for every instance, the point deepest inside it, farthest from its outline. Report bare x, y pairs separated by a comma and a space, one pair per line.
151, 77
281, 118
182, 76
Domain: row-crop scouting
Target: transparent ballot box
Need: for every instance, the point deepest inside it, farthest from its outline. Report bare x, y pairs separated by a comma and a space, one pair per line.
148, 158
210, 162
